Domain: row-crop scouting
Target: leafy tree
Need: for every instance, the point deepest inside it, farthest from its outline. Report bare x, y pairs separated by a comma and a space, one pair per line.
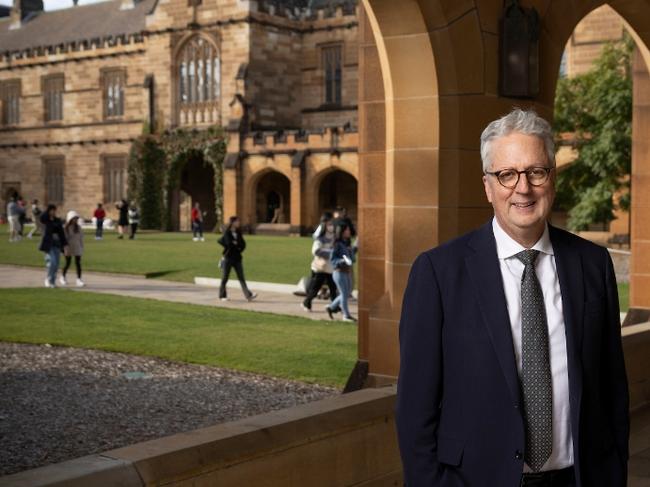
597, 108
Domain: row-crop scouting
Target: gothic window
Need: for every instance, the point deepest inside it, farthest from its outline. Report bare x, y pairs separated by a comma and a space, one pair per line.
54, 180
10, 97
332, 74
53, 87
114, 178
199, 82
113, 81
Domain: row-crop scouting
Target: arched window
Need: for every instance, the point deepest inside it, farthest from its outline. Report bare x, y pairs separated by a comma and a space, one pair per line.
199, 82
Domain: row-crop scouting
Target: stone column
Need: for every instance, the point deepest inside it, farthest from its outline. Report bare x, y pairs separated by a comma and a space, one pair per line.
296, 199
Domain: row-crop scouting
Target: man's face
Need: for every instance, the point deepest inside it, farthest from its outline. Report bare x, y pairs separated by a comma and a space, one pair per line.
523, 210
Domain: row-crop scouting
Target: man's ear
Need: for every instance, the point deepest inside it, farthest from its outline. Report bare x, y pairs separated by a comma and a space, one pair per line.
488, 188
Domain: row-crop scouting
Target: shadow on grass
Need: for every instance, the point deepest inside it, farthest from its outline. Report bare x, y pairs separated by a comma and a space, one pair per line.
156, 274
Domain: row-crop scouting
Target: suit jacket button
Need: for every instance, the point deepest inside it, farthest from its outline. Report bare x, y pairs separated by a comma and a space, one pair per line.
518, 455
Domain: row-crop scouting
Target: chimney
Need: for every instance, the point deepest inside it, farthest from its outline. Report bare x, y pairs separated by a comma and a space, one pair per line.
23, 9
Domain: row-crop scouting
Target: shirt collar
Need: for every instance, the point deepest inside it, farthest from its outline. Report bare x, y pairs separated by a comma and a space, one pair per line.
507, 247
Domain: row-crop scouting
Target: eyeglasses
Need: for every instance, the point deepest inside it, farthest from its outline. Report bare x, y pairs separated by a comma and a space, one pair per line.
509, 178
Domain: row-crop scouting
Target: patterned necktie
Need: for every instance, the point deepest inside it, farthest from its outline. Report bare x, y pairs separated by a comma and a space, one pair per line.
536, 369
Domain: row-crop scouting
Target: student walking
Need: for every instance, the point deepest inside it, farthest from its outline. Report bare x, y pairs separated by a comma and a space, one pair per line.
100, 215
75, 237
52, 243
22, 216
123, 220
36, 218
13, 216
342, 260
134, 220
233, 244
341, 218
197, 223
321, 266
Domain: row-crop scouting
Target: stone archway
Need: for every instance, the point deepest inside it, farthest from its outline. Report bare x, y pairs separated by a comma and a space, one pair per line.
272, 198
197, 181
429, 85
335, 188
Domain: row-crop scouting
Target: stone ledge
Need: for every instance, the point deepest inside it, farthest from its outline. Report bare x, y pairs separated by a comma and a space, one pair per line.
343, 427
196, 453
95, 470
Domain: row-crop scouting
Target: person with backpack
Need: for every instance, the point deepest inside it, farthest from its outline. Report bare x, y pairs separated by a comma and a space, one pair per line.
321, 266
75, 236
52, 243
342, 260
233, 244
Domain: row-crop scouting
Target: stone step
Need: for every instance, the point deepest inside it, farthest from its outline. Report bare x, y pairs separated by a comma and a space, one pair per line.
272, 229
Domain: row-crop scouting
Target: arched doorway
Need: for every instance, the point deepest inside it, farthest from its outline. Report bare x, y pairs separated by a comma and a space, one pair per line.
273, 199
9, 190
338, 188
428, 87
196, 184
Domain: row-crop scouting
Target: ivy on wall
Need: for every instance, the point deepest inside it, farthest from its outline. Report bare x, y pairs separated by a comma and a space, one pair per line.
156, 165
146, 173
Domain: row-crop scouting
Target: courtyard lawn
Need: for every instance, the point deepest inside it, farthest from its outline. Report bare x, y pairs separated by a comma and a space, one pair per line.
624, 296
279, 346
174, 256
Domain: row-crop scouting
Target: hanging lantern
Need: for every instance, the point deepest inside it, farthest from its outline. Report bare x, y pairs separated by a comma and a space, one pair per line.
519, 51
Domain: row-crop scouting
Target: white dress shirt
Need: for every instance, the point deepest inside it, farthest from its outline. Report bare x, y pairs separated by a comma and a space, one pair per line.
545, 268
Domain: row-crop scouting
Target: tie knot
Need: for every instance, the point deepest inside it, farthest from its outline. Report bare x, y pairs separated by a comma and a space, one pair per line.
528, 257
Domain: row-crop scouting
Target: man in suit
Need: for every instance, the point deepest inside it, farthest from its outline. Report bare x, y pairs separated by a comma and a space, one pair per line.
512, 370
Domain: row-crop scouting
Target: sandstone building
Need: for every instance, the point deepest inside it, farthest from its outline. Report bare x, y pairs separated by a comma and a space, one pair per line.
78, 85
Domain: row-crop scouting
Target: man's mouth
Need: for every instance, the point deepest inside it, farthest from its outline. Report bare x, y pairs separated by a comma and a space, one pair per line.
524, 205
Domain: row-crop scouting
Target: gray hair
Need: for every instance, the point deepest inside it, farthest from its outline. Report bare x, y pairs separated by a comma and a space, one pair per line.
521, 121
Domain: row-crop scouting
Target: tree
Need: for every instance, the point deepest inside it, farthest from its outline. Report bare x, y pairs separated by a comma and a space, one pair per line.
596, 107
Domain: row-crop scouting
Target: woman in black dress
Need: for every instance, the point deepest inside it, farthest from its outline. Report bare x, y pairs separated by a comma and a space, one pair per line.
233, 244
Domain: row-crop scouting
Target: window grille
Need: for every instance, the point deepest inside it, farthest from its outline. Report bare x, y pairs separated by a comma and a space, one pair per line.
53, 87
10, 96
333, 74
199, 82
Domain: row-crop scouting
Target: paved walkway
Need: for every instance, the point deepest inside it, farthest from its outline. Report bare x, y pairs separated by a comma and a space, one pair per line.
179, 292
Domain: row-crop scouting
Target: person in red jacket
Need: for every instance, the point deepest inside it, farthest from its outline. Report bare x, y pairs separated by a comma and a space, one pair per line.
197, 223
99, 215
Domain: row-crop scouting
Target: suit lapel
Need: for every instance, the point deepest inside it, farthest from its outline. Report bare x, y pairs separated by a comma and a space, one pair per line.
483, 268
570, 275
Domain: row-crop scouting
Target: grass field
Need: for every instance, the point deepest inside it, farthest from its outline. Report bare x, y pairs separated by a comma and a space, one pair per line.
174, 256
279, 346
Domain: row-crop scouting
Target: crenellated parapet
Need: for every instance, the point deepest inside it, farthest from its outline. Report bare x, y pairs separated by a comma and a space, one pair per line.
306, 10
72, 50
332, 140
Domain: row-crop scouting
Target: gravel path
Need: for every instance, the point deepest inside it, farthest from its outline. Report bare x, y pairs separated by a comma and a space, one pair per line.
61, 403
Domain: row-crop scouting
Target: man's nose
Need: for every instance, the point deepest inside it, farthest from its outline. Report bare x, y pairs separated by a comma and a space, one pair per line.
523, 186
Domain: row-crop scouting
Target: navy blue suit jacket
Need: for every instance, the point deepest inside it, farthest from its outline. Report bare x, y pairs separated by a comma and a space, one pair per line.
459, 416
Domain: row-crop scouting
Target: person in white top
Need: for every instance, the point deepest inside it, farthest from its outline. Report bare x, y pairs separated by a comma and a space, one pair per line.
511, 364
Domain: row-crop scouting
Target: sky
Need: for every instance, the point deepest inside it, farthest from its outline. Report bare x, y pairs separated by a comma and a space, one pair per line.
54, 4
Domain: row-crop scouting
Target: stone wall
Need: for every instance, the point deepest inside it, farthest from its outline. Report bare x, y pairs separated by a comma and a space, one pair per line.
348, 440
600, 26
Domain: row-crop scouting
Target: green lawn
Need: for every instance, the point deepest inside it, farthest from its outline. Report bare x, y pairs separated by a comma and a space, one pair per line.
174, 256
279, 346
624, 296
